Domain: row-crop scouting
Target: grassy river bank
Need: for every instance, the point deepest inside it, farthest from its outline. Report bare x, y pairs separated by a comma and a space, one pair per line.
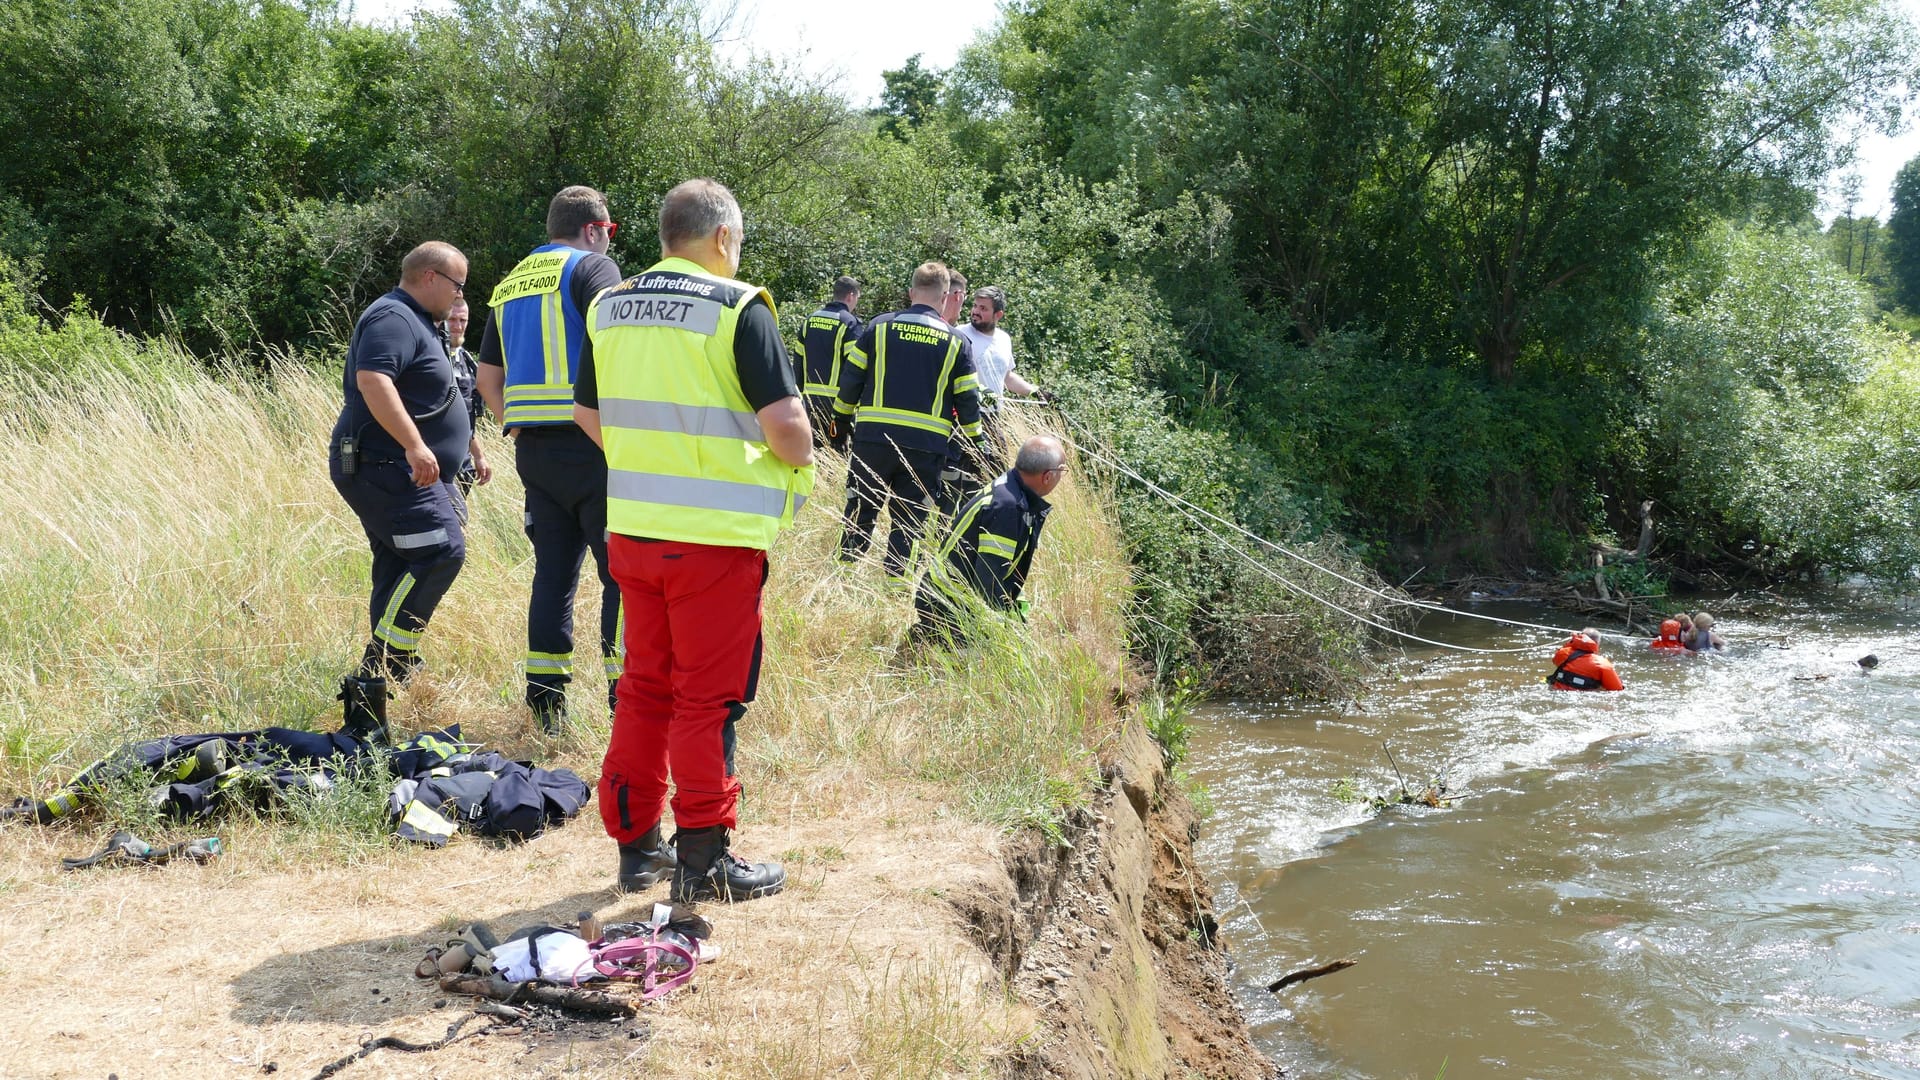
177, 562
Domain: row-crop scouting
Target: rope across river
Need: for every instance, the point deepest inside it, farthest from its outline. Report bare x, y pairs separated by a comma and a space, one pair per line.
1099, 451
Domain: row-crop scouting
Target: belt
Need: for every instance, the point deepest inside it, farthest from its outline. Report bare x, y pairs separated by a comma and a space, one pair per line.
548, 430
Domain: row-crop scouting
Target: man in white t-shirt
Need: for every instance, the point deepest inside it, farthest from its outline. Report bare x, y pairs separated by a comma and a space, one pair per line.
992, 353
992, 348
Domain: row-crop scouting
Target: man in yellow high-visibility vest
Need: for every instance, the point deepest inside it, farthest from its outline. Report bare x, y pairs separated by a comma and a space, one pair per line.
684, 381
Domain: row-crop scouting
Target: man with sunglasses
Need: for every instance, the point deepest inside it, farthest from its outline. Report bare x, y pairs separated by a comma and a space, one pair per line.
529, 359
983, 565
400, 439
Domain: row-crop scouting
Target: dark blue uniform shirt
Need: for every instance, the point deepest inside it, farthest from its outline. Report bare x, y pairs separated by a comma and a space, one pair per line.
397, 338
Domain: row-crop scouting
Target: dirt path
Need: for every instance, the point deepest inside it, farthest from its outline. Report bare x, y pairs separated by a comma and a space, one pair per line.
260, 964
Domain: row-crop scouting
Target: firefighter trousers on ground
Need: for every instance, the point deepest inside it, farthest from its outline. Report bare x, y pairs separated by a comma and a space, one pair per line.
418, 548
905, 482
693, 663
565, 476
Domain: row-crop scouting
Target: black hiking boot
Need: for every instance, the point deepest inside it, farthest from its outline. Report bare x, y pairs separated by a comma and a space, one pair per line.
366, 709
706, 870
645, 861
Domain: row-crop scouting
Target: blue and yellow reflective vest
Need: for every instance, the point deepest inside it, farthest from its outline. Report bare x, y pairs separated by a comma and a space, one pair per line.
540, 335
686, 457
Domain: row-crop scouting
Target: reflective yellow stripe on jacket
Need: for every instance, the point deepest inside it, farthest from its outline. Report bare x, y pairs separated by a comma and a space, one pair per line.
686, 458
539, 385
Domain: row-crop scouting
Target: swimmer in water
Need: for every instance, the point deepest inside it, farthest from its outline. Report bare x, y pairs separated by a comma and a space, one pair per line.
1704, 639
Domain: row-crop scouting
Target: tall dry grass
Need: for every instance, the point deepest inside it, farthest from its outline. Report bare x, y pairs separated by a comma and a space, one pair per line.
173, 559
176, 560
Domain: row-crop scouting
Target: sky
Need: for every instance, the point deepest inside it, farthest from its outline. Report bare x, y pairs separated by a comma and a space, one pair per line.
856, 40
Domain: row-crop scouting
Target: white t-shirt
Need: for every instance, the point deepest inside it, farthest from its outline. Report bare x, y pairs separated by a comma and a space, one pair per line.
992, 356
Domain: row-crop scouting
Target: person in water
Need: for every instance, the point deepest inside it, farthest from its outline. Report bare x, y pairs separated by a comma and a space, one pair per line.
1579, 666
1704, 639
1669, 639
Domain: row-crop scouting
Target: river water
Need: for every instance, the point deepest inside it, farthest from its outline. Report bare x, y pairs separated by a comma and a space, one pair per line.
1715, 873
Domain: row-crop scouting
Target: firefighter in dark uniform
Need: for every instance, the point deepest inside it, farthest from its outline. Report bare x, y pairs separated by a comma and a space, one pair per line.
904, 384
400, 440
984, 562
829, 331
529, 359
477, 470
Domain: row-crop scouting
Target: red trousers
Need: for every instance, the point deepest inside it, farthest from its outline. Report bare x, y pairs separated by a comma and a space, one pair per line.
693, 662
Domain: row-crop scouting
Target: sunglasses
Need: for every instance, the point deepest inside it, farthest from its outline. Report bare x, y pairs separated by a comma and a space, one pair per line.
611, 227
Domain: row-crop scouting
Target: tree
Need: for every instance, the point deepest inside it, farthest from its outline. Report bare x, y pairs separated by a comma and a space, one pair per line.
1903, 237
911, 95
1487, 177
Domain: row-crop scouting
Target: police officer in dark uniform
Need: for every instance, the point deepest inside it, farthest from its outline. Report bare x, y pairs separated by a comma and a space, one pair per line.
984, 563
529, 359
904, 383
829, 331
401, 438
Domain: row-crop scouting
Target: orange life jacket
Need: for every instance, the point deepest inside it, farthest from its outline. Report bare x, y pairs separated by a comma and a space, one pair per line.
1669, 639
1578, 666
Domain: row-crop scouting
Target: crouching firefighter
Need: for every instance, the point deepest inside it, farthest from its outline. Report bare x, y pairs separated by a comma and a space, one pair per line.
686, 384
396, 448
1578, 665
989, 552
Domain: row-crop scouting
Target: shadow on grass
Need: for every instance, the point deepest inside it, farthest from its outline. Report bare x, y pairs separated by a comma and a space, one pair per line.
370, 983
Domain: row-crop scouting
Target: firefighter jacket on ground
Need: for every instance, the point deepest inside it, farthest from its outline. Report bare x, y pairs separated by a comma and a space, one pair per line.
990, 549
1579, 666
829, 331
540, 329
903, 379
686, 457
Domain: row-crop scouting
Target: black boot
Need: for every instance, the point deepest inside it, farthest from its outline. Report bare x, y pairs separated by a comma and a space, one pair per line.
549, 705
550, 714
366, 709
644, 861
706, 870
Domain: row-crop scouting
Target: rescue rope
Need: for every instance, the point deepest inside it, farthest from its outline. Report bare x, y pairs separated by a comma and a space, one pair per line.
1195, 514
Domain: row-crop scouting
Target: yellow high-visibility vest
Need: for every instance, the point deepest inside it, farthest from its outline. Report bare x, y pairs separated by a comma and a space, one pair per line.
686, 458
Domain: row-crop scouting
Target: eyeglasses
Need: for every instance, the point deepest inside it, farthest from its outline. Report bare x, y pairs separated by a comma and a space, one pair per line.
611, 227
458, 285
1061, 469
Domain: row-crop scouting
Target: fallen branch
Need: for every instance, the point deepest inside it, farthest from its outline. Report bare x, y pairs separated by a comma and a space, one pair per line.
390, 1043
1304, 974
591, 1002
